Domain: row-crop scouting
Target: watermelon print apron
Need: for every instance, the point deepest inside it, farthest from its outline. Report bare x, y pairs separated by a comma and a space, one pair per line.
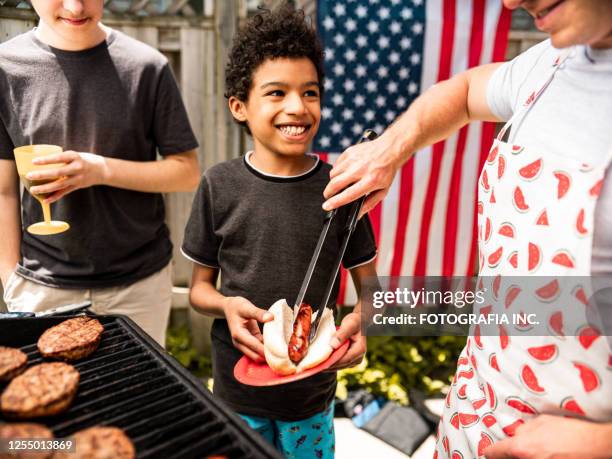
536, 216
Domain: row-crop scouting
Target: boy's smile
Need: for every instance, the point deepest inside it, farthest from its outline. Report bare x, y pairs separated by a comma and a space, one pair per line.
283, 112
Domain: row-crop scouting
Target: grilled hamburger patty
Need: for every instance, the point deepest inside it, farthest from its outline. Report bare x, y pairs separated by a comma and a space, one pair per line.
25, 431
101, 443
72, 339
42, 390
12, 363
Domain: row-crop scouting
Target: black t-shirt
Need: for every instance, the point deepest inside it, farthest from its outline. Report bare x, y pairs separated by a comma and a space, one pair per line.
260, 231
119, 100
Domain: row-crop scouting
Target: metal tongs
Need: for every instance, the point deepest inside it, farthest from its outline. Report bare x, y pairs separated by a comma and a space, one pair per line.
348, 230
69, 308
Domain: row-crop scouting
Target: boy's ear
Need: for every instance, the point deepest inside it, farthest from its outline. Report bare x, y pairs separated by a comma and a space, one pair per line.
238, 109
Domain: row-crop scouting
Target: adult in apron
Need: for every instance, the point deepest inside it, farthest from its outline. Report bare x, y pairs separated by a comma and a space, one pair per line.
536, 218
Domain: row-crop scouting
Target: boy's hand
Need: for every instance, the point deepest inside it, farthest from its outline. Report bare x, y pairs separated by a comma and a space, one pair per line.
80, 170
242, 317
350, 329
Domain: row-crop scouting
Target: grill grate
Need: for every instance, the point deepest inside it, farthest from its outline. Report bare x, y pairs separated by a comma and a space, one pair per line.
131, 383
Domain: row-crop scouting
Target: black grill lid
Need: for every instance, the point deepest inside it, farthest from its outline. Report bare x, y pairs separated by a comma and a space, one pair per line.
132, 383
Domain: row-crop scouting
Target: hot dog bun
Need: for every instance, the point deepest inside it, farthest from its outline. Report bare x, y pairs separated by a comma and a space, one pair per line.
277, 333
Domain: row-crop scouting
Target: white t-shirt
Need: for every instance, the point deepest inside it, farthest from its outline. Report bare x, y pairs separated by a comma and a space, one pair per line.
573, 117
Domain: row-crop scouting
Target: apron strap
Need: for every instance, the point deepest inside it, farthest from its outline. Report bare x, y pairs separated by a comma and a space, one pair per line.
534, 96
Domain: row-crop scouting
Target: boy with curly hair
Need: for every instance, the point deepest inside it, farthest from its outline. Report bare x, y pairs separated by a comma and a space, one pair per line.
256, 220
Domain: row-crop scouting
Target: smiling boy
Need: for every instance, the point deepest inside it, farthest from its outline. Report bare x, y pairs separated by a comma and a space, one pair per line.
256, 220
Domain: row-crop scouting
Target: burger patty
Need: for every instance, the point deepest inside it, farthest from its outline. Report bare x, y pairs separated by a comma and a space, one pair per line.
25, 431
100, 443
12, 363
42, 390
72, 339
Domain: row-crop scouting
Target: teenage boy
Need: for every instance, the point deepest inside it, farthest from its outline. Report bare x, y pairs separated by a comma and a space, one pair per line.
112, 103
256, 220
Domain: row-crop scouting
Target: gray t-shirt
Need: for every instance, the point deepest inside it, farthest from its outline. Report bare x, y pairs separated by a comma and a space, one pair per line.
119, 100
260, 231
571, 118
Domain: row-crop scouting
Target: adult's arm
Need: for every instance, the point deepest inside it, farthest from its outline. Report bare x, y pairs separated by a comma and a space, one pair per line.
440, 111
175, 172
10, 219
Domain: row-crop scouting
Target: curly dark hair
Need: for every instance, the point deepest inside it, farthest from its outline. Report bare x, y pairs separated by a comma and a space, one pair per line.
281, 33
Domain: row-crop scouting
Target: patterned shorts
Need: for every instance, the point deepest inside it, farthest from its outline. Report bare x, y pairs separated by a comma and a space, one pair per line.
306, 439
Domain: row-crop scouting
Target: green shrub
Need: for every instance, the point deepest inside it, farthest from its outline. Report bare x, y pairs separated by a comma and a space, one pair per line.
179, 345
394, 364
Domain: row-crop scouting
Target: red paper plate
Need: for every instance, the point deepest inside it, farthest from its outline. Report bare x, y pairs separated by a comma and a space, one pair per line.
254, 373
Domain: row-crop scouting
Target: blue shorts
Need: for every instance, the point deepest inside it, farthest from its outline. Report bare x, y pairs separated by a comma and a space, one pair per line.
306, 439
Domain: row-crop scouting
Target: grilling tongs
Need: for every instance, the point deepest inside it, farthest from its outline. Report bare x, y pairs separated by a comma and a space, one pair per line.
348, 230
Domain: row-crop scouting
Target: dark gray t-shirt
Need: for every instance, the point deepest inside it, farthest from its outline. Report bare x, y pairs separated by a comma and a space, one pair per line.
119, 100
260, 231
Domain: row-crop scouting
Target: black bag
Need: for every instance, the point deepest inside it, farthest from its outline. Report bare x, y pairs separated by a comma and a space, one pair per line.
401, 427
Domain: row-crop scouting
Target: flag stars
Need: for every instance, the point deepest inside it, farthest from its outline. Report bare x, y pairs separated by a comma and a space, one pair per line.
417, 28
361, 11
371, 86
379, 127
383, 42
339, 39
329, 54
394, 57
357, 129
336, 128
350, 55
361, 41
345, 142
338, 69
329, 84
350, 25
413, 88
380, 101
392, 87
339, 9
328, 23
372, 26
369, 115
325, 141
395, 27
372, 56
389, 115
406, 14
347, 114
338, 99
359, 100
382, 71
349, 85
406, 43
401, 102
384, 13
417, 2
404, 73
415, 58
361, 70
326, 112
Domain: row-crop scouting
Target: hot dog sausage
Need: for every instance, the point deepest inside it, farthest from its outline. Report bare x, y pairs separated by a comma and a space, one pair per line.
298, 343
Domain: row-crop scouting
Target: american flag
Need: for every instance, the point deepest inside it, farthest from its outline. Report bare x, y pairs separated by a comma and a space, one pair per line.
379, 55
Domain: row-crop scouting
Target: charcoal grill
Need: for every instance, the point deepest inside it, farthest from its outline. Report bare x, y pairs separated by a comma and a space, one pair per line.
132, 383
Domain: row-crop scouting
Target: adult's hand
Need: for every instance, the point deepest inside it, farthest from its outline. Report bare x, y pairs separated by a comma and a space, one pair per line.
80, 170
350, 329
365, 168
555, 437
242, 319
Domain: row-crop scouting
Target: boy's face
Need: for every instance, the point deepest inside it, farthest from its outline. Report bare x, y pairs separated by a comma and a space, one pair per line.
69, 24
283, 110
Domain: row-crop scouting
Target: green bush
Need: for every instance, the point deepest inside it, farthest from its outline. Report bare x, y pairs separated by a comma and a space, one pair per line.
179, 345
394, 364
